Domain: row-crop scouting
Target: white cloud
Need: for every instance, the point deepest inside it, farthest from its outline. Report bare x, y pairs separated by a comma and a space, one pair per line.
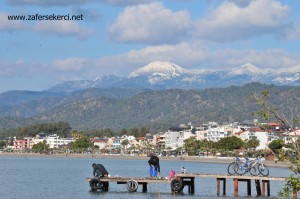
71, 64
194, 56
20, 68
150, 23
190, 56
59, 70
270, 58
230, 22
62, 28
183, 54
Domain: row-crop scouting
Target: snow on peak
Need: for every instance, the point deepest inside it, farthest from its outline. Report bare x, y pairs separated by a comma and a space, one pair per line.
158, 68
246, 69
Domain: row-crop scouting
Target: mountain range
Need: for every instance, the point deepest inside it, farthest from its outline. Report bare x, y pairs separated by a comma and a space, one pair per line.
158, 95
167, 75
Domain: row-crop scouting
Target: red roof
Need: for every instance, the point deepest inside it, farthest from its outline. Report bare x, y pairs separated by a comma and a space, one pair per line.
256, 129
99, 140
273, 124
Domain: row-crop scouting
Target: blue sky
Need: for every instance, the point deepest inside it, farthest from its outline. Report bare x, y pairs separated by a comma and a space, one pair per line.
119, 36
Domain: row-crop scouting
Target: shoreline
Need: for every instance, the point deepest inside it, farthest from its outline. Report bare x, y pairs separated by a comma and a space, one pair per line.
203, 159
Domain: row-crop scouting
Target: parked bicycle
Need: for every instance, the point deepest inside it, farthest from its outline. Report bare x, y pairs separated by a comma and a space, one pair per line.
230, 169
254, 167
263, 169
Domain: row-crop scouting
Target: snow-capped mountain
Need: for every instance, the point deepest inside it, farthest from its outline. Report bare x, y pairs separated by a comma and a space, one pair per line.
157, 72
166, 75
163, 68
101, 82
247, 69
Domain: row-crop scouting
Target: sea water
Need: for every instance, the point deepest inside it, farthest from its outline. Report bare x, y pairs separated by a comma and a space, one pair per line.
65, 178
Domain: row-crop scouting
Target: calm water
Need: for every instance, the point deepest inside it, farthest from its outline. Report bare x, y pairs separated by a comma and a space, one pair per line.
64, 178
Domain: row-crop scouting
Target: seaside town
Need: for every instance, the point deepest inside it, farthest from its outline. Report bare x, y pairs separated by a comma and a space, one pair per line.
170, 143
164, 98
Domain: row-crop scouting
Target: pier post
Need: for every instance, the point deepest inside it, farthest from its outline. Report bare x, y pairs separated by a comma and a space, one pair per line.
105, 186
192, 185
264, 182
145, 187
249, 187
236, 187
258, 189
219, 185
224, 186
190, 182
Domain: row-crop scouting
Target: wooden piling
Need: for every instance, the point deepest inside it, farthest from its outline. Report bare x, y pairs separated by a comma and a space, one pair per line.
264, 182
224, 186
249, 187
145, 187
190, 182
236, 184
192, 185
236, 187
219, 185
258, 189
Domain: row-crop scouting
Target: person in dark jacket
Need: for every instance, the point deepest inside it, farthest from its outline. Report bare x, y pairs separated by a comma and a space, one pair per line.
154, 166
99, 170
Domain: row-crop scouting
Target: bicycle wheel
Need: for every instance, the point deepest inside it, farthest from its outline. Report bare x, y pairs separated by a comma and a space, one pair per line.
239, 168
263, 170
254, 169
230, 168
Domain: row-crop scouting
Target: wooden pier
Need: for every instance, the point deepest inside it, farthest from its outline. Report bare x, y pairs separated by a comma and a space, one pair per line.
262, 184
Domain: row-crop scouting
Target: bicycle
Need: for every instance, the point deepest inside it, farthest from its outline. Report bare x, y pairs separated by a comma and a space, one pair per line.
263, 169
254, 167
248, 166
230, 168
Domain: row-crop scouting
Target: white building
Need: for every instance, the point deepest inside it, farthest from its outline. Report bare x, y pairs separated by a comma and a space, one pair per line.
215, 133
263, 136
55, 142
175, 137
172, 139
100, 142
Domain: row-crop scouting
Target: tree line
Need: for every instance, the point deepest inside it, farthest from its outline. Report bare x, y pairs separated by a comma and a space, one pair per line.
225, 146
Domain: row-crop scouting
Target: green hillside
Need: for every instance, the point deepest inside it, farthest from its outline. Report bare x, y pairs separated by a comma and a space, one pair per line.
159, 110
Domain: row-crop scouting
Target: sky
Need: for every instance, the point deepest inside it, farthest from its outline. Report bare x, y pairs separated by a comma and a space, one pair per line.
115, 37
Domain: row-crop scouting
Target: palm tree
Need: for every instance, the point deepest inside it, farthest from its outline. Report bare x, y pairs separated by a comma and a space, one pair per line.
124, 144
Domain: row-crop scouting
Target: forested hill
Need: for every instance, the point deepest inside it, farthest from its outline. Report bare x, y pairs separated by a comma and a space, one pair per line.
157, 110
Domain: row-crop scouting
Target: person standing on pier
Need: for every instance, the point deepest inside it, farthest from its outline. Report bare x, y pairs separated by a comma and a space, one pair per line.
99, 170
154, 166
